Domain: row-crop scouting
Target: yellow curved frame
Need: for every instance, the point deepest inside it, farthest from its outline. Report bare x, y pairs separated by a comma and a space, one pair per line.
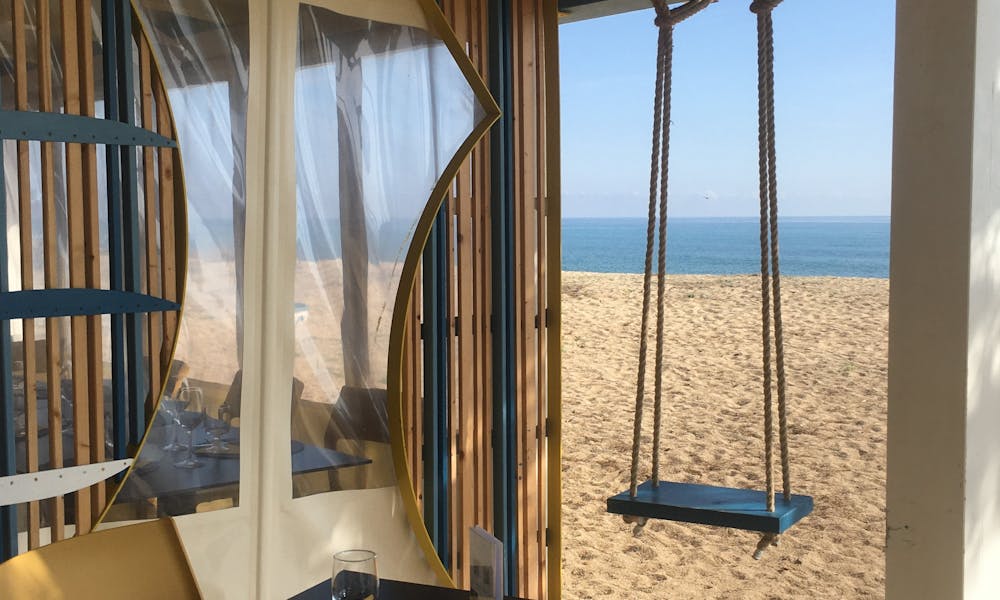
180, 219
439, 25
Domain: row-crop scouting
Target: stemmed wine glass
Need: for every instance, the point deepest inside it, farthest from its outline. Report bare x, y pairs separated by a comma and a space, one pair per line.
189, 418
172, 406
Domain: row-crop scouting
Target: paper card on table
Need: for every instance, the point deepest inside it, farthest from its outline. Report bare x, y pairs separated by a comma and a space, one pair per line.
485, 565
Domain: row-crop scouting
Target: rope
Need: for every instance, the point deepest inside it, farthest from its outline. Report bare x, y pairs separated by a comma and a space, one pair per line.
763, 143
647, 273
770, 280
665, 20
779, 345
769, 249
666, 33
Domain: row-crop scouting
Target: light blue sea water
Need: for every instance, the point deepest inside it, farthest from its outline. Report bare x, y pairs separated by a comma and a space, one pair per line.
835, 246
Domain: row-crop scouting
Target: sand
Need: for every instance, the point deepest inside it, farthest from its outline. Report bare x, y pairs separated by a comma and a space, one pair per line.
836, 346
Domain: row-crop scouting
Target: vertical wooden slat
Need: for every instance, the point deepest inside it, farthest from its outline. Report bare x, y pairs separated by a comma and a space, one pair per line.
553, 270
77, 268
518, 245
92, 256
152, 263
27, 267
465, 313
526, 177
53, 343
542, 300
474, 426
168, 266
455, 484
484, 279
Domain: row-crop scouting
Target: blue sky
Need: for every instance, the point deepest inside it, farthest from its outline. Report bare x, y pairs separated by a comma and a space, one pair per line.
833, 72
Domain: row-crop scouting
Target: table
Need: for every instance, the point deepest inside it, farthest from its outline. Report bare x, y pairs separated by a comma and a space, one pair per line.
156, 476
394, 590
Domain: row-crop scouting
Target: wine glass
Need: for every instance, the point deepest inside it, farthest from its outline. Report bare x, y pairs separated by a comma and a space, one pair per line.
216, 428
171, 407
20, 412
189, 418
355, 575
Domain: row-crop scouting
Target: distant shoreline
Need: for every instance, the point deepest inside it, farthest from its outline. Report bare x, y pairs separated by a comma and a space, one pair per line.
754, 218
809, 246
714, 276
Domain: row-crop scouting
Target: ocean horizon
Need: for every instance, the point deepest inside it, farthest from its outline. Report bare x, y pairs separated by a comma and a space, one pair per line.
808, 246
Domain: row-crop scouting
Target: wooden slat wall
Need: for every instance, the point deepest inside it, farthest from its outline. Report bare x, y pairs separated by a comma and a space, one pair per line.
69, 172
470, 386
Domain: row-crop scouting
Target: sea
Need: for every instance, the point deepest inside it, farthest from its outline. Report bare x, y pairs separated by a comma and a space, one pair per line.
809, 246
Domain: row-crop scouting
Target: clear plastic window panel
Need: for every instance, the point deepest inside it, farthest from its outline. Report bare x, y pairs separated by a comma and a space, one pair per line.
190, 461
380, 110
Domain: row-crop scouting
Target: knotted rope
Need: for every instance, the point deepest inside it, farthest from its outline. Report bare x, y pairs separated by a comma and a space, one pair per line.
665, 20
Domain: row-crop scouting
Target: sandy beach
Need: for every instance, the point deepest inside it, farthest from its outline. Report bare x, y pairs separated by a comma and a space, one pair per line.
836, 345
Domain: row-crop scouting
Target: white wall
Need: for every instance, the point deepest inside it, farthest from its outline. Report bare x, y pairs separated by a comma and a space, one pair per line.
943, 491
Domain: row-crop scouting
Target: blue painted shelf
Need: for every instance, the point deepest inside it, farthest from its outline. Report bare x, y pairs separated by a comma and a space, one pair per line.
735, 508
71, 302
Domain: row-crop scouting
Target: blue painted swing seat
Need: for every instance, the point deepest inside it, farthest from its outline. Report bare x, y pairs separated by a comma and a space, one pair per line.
734, 508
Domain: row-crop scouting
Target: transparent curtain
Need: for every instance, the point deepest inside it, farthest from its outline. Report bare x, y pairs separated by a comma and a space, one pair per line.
380, 110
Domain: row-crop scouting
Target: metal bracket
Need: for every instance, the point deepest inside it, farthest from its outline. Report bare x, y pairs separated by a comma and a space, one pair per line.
59, 127
29, 487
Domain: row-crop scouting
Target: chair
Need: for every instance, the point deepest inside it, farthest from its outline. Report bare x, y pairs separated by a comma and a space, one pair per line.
356, 424
233, 402
179, 371
145, 560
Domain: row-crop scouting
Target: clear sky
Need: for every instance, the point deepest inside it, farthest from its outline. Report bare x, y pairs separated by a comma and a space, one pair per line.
833, 77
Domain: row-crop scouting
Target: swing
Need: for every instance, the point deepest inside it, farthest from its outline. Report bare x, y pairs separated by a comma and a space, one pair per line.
753, 510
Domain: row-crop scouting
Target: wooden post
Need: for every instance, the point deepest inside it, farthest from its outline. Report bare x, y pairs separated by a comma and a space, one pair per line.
153, 281
27, 268
353, 228
92, 257
77, 266
53, 342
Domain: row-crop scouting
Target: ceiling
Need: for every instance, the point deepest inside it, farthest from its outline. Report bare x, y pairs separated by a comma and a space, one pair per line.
579, 10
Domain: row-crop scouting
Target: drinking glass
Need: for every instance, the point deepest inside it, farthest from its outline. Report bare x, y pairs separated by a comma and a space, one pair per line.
189, 418
20, 420
216, 428
355, 575
172, 406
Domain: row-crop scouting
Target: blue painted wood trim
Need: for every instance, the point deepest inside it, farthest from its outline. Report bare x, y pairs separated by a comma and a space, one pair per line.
59, 127
8, 455
503, 277
437, 340
131, 241
712, 505
60, 302
109, 32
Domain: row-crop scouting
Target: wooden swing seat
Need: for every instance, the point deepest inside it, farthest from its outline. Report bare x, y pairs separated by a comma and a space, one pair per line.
734, 508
